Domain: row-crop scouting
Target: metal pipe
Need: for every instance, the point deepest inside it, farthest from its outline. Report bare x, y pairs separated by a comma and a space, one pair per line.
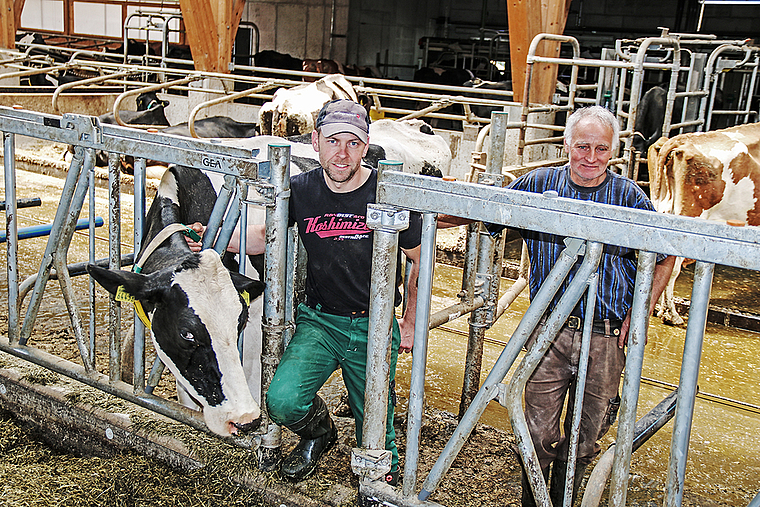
453, 312
11, 231
35, 231
580, 388
554, 322
67, 193
138, 361
93, 80
114, 252
275, 288
488, 391
91, 256
386, 222
152, 88
227, 98
687, 386
645, 427
637, 337
416, 405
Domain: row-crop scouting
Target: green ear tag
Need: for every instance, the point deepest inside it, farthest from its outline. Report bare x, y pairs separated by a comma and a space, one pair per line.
122, 295
246, 297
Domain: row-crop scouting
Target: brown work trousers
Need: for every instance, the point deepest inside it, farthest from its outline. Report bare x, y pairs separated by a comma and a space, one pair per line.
547, 388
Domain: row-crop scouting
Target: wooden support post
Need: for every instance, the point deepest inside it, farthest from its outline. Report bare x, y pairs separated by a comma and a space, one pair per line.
528, 18
211, 27
10, 19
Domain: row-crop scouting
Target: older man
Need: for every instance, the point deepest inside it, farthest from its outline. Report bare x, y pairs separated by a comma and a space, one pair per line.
591, 137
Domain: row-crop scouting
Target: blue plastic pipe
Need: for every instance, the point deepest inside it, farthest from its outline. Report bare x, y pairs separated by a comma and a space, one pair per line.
36, 231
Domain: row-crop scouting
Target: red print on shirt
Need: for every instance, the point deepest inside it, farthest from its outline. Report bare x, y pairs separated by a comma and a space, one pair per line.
336, 224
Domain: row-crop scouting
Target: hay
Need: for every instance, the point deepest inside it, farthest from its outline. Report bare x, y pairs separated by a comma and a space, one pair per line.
31, 474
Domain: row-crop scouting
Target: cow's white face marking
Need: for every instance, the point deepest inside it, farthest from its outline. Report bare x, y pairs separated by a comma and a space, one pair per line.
738, 198
212, 296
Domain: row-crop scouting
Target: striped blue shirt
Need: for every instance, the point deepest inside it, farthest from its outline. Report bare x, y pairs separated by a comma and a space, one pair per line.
617, 273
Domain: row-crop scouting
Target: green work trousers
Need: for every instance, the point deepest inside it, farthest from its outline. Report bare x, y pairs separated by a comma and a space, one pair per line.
322, 342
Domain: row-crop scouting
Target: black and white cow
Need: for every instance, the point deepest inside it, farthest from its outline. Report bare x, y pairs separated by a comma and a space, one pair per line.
215, 127
196, 306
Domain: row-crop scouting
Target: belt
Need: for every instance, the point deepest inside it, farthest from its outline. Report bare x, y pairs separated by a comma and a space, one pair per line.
607, 327
353, 314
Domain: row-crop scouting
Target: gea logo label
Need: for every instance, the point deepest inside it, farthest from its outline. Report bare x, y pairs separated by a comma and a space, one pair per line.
211, 162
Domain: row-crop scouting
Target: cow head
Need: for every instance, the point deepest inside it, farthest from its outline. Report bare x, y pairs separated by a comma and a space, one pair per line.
196, 311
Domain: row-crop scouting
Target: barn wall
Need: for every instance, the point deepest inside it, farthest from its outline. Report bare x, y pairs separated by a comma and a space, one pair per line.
301, 28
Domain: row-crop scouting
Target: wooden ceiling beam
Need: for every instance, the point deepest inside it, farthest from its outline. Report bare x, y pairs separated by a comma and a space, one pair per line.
211, 26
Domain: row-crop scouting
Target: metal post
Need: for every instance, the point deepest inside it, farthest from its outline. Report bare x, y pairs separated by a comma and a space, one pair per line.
487, 273
91, 257
273, 318
386, 223
11, 231
636, 340
138, 365
554, 323
72, 176
687, 386
490, 388
114, 254
580, 387
419, 353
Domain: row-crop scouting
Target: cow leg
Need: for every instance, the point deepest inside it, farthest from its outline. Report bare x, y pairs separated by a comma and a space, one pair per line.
128, 355
668, 310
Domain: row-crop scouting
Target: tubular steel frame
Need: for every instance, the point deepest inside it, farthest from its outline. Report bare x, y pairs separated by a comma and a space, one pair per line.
241, 167
592, 225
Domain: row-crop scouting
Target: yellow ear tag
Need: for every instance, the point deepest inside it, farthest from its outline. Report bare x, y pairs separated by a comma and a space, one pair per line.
141, 314
123, 295
246, 297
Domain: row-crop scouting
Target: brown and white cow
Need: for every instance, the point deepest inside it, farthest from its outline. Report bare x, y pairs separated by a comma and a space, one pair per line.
294, 111
711, 175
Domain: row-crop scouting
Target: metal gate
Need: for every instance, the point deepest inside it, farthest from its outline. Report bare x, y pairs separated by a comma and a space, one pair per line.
591, 226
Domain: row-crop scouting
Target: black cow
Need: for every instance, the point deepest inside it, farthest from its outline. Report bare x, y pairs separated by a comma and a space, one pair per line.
150, 111
215, 126
196, 306
650, 116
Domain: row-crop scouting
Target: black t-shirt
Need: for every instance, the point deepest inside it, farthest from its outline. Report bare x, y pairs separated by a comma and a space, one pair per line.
333, 229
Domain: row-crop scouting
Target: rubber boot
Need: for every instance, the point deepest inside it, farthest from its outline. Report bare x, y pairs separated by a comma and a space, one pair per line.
318, 434
527, 493
559, 477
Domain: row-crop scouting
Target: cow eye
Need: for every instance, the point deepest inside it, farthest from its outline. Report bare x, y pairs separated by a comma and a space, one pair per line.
188, 336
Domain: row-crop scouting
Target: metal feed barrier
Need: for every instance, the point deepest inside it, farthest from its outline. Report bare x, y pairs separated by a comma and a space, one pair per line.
240, 168
588, 226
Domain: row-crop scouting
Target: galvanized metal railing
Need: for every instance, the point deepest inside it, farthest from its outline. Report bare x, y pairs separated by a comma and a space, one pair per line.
593, 225
240, 167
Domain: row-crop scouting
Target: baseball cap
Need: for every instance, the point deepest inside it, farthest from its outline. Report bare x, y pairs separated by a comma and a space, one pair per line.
343, 115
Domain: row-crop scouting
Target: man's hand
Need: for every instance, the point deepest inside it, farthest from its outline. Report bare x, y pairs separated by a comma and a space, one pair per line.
195, 246
407, 335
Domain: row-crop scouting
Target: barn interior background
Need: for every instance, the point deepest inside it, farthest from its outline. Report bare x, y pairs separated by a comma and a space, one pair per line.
394, 37
399, 36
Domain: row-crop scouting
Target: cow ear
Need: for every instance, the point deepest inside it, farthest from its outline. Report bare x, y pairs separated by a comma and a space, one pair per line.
134, 284
242, 283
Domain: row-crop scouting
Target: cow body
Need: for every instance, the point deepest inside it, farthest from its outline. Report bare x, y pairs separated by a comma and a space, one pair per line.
709, 175
194, 304
414, 143
294, 111
214, 126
